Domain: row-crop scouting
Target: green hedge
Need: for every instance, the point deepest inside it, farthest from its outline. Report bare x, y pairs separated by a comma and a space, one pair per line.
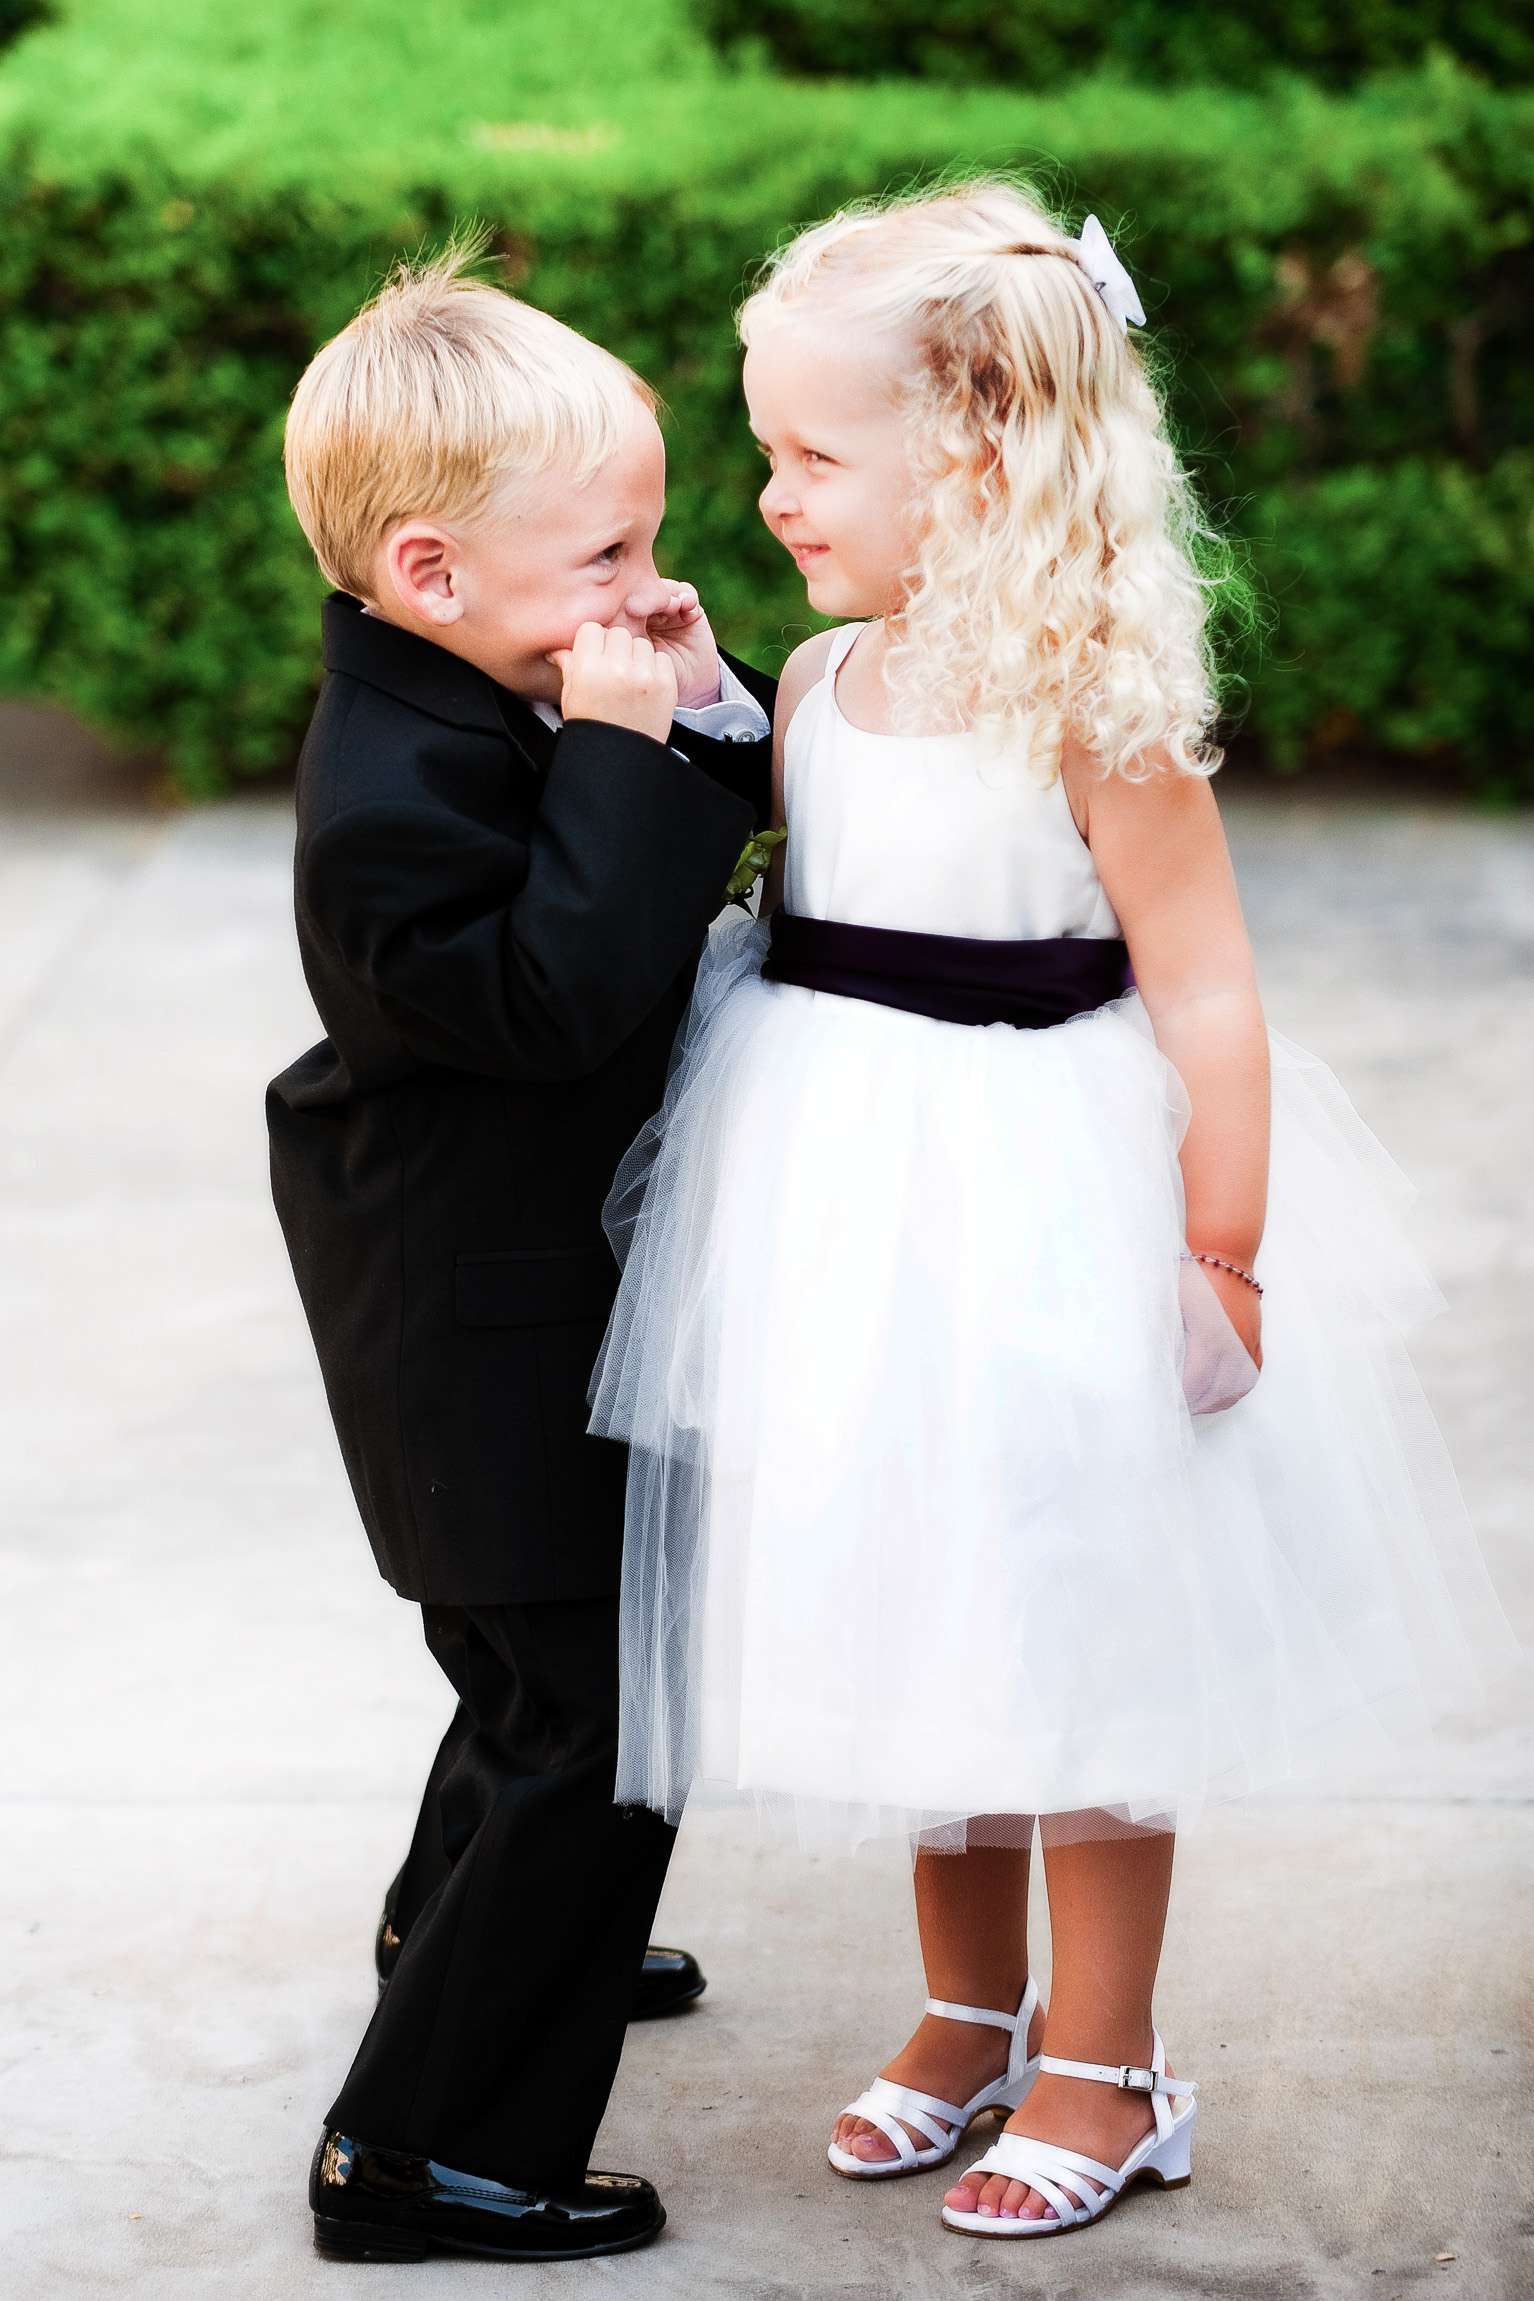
1407, 605
18, 16
1041, 43
1339, 289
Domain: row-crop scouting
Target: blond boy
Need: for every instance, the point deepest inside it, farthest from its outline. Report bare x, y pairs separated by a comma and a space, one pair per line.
526, 781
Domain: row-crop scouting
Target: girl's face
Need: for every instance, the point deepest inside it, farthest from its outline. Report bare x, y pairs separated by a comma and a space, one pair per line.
839, 497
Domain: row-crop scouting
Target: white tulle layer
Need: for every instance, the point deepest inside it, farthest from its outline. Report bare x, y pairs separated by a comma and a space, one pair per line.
920, 1526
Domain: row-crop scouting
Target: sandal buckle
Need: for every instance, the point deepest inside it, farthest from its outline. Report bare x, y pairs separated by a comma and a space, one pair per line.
1132, 2080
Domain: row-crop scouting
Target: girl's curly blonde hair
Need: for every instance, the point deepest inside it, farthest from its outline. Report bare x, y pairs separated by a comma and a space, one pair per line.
1055, 590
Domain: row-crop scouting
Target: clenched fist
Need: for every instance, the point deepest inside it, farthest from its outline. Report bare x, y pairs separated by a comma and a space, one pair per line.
680, 630
617, 675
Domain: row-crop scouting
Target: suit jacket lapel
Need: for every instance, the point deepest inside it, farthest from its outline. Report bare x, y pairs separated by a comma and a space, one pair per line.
399, 663
532, 735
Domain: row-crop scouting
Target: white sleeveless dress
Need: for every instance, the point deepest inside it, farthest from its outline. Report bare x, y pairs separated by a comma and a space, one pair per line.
921, 1527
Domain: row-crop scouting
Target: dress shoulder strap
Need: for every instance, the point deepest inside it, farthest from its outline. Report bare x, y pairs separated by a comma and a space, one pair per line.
840, 647
817, 694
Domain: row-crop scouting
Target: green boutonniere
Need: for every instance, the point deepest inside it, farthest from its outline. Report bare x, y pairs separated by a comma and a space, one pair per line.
754, 859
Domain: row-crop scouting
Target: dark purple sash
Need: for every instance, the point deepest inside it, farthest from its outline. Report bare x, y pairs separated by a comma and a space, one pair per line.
950, 977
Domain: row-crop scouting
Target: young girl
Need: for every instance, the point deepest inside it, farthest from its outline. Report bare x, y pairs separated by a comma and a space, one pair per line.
949, 1245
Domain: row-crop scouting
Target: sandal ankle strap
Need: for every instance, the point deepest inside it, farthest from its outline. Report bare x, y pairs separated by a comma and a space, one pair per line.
981, 2013
1126, 2075
987, 2014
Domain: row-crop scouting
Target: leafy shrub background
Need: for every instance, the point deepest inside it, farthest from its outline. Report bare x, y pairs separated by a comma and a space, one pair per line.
1039, 43
1339, 287
17, 16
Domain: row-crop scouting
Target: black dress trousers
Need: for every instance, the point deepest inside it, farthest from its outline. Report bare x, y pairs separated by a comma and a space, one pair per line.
495, 2045
426, 1864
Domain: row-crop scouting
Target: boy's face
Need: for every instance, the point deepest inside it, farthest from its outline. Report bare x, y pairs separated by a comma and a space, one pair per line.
506, 590
839, 497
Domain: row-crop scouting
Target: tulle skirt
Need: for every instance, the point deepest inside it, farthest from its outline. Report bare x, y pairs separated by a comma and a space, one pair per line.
921, 1524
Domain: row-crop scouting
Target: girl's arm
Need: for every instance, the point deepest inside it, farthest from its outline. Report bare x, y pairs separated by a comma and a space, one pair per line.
1160, 852
799, 675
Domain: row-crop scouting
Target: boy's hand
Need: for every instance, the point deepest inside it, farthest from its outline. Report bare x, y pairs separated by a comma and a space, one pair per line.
611, 674
680, 631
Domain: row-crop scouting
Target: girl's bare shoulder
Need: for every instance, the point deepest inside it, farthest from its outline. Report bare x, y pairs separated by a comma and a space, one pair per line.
1157, 788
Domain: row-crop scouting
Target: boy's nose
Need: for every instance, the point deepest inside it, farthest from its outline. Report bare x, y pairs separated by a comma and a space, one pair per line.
647, 598
775, 501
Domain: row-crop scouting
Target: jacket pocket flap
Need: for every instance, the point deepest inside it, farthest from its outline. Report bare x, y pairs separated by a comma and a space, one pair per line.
534, 1286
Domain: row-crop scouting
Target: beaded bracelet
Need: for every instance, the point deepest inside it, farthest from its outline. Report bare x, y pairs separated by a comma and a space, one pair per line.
1234, 1268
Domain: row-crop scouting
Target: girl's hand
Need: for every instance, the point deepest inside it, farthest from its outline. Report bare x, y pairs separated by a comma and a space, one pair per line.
1222, 1348
1242, 1305
680, 631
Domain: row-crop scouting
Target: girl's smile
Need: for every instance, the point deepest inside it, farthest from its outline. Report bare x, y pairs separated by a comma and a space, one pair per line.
827, 421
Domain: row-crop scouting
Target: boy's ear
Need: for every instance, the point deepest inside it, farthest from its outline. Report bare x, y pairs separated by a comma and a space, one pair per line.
421, 565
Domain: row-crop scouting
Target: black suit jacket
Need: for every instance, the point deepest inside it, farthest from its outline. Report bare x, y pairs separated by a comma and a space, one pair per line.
500, 928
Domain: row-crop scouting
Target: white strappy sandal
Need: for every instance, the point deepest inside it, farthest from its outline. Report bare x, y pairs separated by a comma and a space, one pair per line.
893, 2107
1064, 2179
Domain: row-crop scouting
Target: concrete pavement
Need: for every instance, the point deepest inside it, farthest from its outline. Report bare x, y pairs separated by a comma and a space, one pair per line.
215, 1717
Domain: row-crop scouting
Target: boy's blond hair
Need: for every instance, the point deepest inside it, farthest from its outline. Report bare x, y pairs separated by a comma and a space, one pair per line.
431, 403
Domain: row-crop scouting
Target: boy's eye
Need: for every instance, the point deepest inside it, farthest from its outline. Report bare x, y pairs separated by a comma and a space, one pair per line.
613, 551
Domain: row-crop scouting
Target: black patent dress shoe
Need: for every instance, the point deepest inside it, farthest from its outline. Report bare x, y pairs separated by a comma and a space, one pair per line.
668, 1978
387, 1945
389, 2205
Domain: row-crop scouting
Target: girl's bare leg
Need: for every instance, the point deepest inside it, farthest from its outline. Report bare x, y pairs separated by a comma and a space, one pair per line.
1107, 1913
972, 1914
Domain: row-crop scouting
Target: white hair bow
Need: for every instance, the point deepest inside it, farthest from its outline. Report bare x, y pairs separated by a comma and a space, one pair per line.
1108, 275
